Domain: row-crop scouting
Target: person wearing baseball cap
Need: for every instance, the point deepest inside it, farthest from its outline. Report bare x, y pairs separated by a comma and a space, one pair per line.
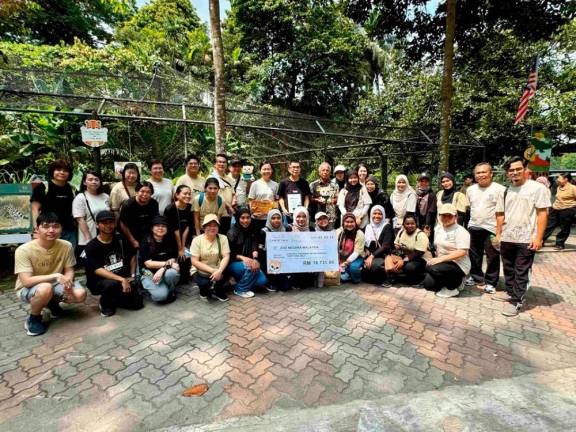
445, 273
159, 262
210, 256
339, 176
426, 207
109, 270
240, 185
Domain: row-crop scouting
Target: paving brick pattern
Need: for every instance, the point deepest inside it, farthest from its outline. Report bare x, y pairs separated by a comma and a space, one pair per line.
276, 351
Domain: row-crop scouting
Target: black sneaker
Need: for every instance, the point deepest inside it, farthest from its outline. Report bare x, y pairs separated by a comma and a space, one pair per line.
170, 299
220, 297
55, 310
34, 325
387, 284
270, 288
107, 312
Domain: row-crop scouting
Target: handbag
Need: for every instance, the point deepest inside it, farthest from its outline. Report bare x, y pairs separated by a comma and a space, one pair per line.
390, 263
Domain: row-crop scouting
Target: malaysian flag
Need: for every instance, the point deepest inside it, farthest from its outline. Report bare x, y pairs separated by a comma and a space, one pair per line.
529, 92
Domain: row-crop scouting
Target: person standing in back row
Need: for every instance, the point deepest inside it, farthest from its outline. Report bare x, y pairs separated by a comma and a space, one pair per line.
163, 187
563, 210
293, 191
483, 196
192, 179
521, 217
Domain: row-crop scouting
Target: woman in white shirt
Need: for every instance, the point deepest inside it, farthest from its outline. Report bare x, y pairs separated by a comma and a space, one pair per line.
263, 196
445, 272
86, 205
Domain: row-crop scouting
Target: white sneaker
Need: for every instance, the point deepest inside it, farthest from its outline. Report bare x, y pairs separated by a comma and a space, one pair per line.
247, 294
470, 281
489, 289
446, 293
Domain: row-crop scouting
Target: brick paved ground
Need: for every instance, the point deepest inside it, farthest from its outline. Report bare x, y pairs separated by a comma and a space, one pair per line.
274, 352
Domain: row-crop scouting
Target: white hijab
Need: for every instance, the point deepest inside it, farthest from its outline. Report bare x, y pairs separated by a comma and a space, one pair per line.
400, 199
372, 230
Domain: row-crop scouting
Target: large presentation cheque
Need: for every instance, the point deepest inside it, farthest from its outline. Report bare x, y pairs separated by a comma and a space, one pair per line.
301, 252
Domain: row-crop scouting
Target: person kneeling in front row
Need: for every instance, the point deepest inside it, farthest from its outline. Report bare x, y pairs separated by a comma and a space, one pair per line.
158, 256
45, 269
108, 268
210, 256
445, 272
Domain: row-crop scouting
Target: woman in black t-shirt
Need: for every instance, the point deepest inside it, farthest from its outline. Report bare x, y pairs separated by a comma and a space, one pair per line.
181, 226
137, 213
158, 262
57, 199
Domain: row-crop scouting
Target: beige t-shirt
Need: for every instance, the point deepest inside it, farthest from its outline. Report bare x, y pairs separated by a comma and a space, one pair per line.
33, 258
483, 205
459, 201
448, 240
118, 195
565, 197
195, 184
520, 211
208, 207
417, 241
207, 252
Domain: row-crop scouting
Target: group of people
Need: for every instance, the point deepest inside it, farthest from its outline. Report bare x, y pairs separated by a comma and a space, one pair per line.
149, 236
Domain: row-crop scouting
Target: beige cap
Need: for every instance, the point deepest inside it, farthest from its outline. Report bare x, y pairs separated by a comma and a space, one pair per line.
319, 215
210, 218
340, 168
447, 209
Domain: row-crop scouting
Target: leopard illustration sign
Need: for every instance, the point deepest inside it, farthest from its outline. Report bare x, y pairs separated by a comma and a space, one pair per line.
93, 134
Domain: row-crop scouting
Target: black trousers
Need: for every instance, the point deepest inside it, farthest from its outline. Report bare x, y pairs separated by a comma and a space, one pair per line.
563, 219
480, 244
446, 274
517, 261
414, 270
112, 296
225, 222
206, 287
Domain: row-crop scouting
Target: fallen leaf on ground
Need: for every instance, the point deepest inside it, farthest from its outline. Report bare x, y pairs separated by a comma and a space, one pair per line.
196, 390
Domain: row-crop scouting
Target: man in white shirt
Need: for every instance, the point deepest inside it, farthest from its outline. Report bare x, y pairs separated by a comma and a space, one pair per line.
521, 217
483, 197
163, 187
192, 179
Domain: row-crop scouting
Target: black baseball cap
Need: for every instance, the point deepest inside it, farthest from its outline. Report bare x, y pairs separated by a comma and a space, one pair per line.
105, 215
159, 220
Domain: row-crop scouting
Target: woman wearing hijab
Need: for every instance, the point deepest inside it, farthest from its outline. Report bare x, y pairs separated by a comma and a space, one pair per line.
244, 266
378, 242
301, 224
379, 197
403, 200
425, 205
449, 195
354, 198
350, 249
278, 282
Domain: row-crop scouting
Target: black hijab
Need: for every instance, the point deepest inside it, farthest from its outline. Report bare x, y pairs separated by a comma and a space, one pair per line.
448, 194
353, 192
242, 239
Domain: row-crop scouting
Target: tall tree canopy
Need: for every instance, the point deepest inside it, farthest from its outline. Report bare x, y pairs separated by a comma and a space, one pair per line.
303, 55
52, 21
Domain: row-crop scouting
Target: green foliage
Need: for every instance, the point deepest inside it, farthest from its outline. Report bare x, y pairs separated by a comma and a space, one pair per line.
52, 21
302, 56
567, 161
168, 31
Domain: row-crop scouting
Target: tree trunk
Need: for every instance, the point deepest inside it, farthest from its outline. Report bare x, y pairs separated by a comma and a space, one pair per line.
447, 89
218, 60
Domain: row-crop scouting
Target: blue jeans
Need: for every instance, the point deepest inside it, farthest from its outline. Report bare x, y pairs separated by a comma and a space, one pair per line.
246, 279
354, 271
160, 292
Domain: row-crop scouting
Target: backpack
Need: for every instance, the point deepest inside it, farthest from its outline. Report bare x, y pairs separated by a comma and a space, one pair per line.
201, 200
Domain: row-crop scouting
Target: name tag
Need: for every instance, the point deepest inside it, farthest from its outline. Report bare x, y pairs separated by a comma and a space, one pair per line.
115, 266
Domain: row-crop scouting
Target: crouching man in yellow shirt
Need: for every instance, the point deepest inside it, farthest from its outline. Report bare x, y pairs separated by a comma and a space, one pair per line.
45, 270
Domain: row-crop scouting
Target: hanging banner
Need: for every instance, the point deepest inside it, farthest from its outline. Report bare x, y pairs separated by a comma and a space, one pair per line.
539, 152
